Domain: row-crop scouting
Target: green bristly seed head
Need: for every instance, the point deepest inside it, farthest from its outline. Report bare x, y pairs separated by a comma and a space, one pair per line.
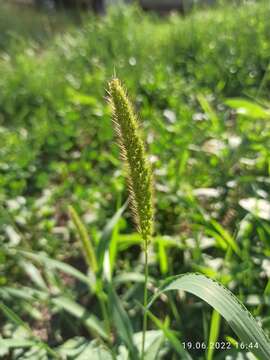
133, 152
86, 242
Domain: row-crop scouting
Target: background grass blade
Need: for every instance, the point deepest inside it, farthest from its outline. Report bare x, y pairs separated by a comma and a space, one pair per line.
248, 108
153, 342
10, 314
59, 265
213, 334
89, 320
168, 333
229, 240
106, 235
16, 343
122, 323
224, 302
80, 348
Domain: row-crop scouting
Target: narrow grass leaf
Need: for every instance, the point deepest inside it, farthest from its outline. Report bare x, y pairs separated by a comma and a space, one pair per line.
126, 277
226, 236
175, 343
153, 342
92, 323
224, 302
113, 248
163, 259
59, 265
209, 111
34, 274
16, 343
248, 108
12, 316
75, 309
106, 235
80, 348
122, 323
24, 293
214, 333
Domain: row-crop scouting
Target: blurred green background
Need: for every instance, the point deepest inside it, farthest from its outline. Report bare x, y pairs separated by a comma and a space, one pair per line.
200, 81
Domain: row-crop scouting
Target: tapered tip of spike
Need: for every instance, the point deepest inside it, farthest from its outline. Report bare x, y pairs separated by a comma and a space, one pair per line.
114, 82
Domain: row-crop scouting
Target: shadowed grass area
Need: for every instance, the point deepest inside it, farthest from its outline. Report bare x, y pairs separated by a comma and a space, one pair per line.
21, 23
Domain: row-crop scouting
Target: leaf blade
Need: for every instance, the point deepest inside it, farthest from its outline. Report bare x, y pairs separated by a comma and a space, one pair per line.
223, 301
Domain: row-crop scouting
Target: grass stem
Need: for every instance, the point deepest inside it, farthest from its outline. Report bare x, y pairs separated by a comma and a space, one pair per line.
103, 306
145, 299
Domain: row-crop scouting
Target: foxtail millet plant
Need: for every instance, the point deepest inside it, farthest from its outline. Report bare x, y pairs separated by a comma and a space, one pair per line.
139, 174
141, 190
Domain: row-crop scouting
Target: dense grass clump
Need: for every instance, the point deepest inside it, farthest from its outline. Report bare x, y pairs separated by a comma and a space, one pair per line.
201, 85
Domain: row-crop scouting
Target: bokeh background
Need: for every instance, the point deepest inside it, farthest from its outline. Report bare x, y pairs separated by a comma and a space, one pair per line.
198, 74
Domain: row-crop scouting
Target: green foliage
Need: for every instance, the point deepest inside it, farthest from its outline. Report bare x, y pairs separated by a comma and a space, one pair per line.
35, 25
201, 85
222, 300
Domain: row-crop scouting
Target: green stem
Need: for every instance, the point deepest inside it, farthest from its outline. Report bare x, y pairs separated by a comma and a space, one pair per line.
103, 307
145, 298
50, 351
105, 314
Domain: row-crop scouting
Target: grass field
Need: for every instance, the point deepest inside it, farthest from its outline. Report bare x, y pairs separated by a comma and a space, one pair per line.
201, 85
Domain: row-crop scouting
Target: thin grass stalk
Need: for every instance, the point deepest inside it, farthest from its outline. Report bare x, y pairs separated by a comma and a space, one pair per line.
145, 302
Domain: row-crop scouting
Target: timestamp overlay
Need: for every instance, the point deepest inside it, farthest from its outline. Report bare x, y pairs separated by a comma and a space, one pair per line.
218, 345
